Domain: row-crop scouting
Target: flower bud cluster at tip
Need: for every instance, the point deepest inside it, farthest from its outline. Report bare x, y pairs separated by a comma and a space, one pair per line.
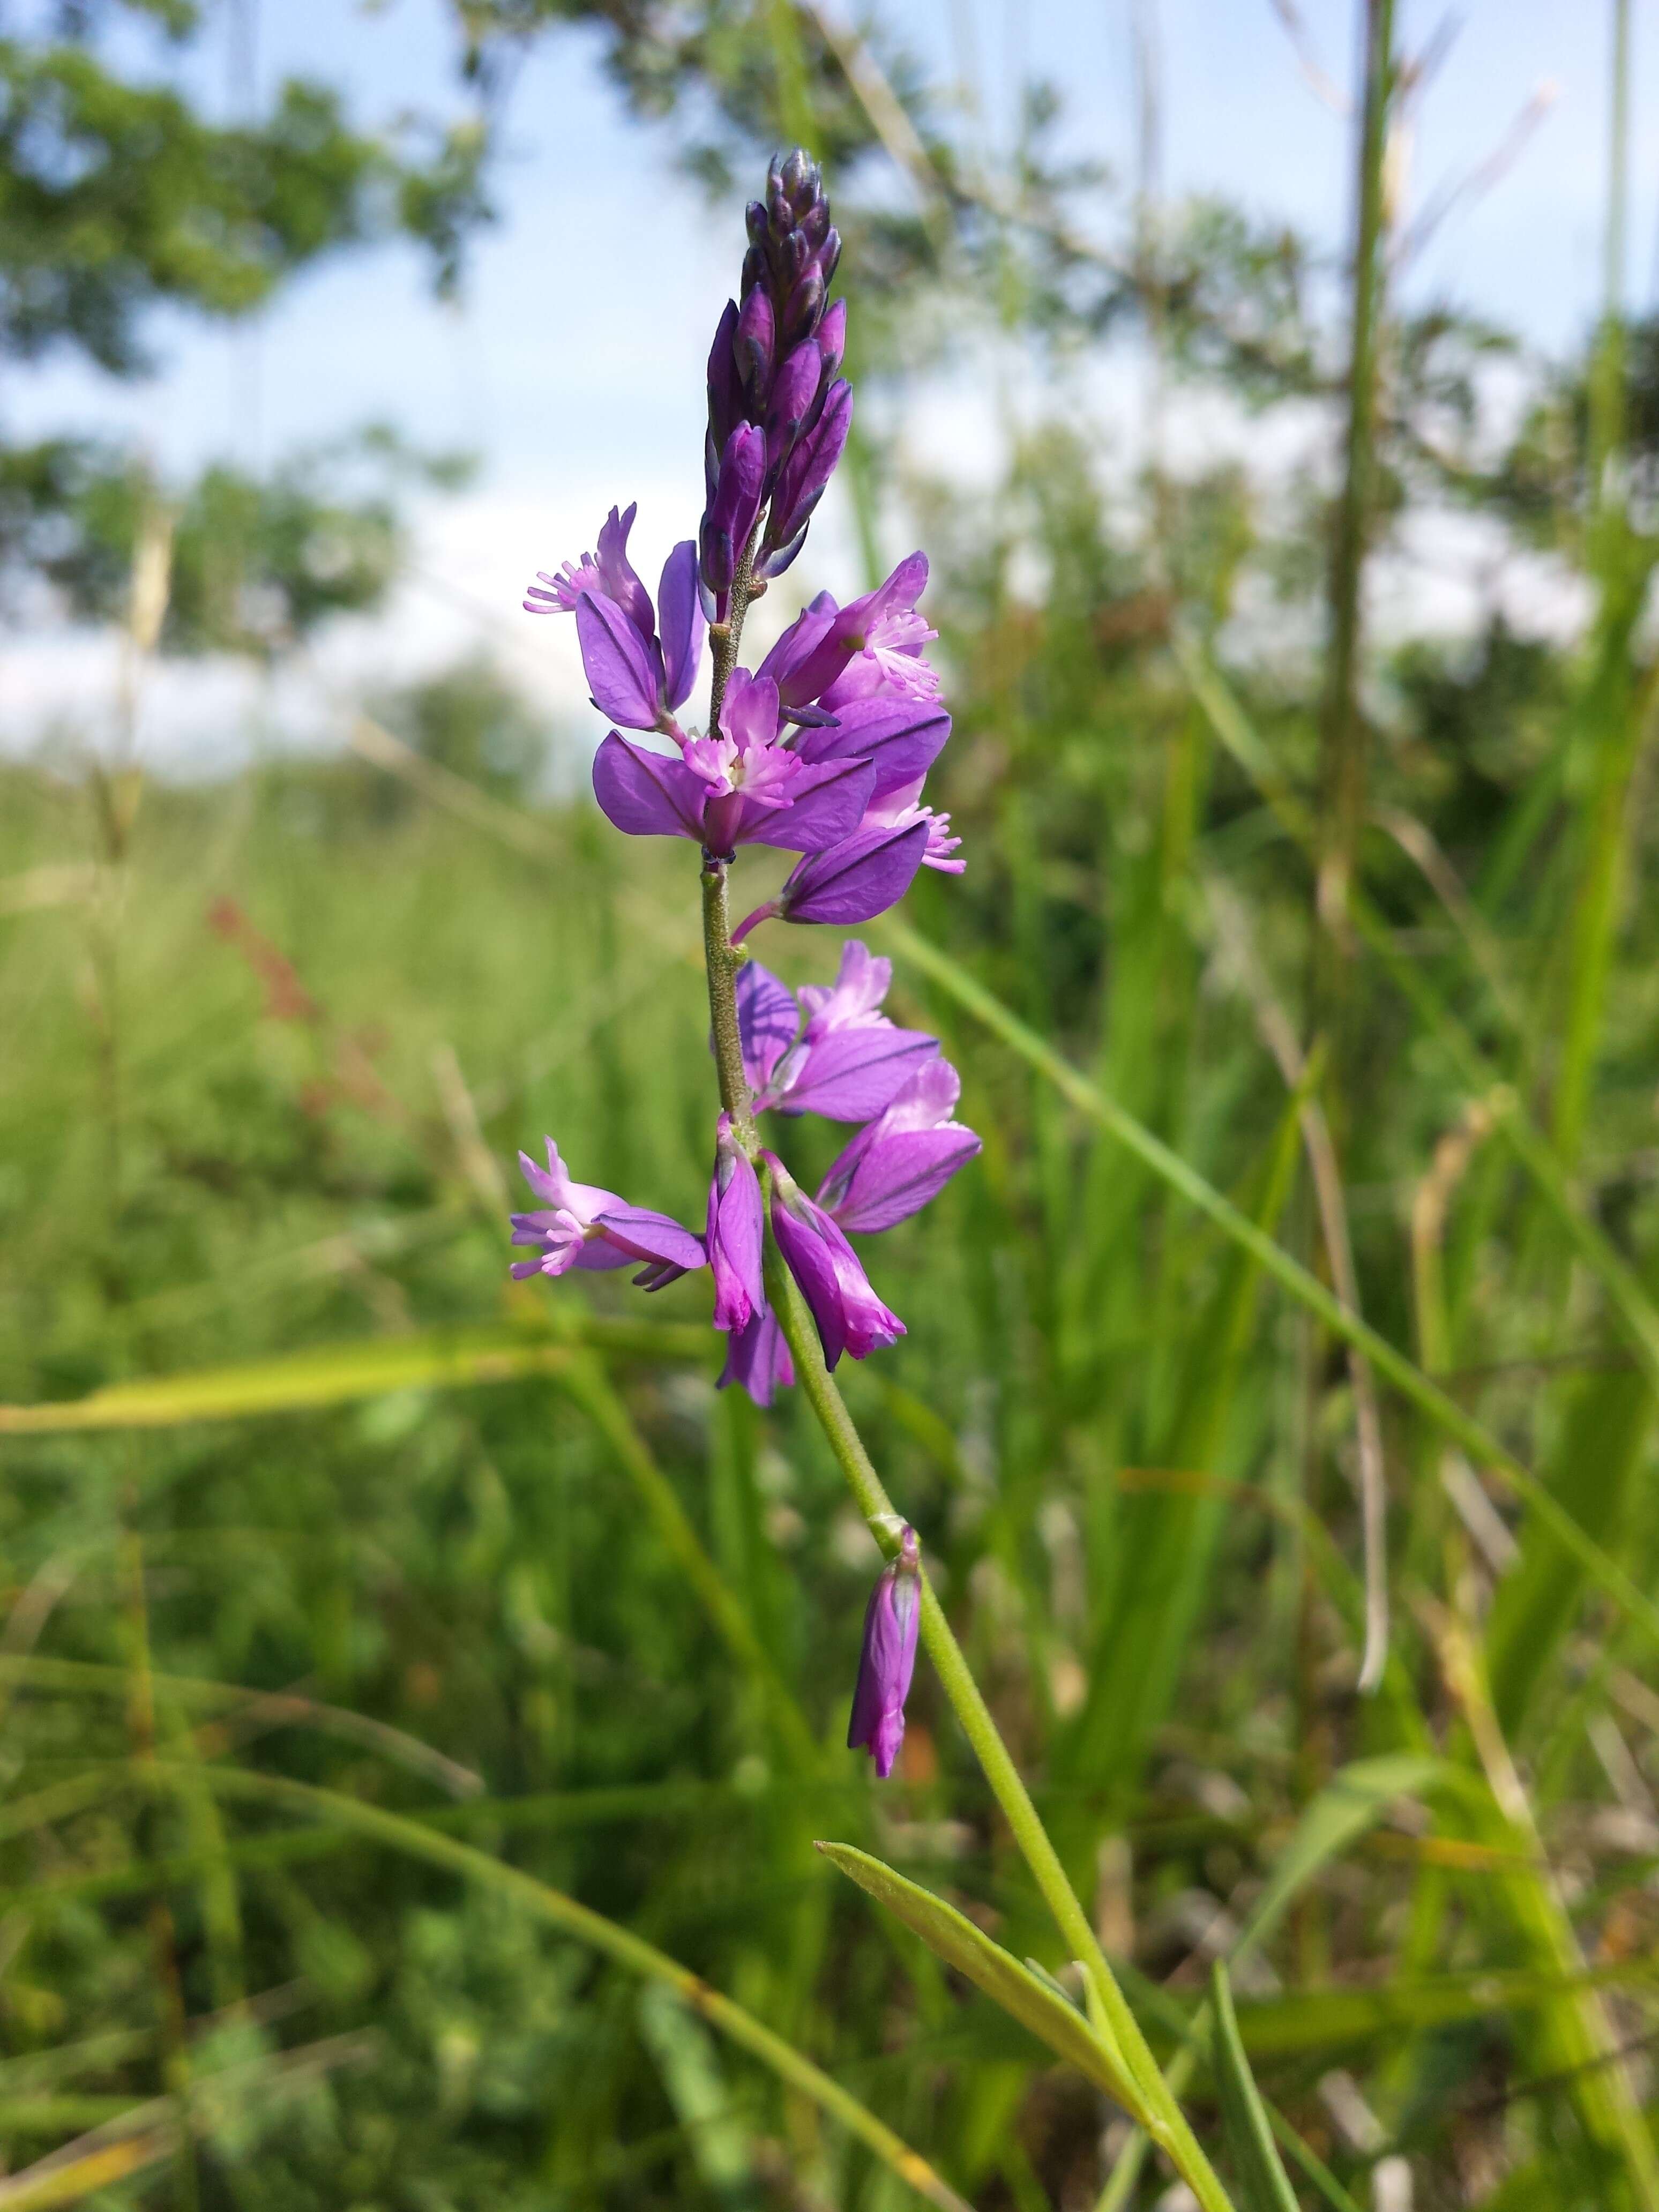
778, 410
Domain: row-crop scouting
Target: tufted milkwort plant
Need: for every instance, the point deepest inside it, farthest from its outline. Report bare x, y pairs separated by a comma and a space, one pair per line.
823, 751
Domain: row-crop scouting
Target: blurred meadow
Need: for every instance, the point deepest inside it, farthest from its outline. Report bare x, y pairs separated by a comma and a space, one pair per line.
420, 1693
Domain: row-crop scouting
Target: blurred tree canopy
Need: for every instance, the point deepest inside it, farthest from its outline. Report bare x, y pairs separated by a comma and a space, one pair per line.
119, 196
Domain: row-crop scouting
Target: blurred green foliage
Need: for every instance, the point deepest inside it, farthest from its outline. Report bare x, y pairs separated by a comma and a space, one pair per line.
276, 1040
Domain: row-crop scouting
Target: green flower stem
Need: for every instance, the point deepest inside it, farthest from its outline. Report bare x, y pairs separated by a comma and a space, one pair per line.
723, 962
1161, 2117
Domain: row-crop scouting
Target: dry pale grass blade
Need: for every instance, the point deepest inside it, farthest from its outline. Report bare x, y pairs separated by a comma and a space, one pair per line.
1235, 942
152, 2131
627, 1950
335, 1375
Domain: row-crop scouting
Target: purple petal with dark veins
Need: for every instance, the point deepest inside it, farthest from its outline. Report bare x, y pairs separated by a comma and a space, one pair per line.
897, 1176
769, 1022
680, 611
902, 738
827, 804
853, 1074
640, 1233
857, 880
648, 794
625, 670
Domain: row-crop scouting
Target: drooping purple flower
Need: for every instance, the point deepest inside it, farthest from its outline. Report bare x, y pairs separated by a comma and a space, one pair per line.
887, 1658
848, 1315
856, 879
833, 1053
579, 1226
736, 1232
636, 676
903, 1159
757, 1359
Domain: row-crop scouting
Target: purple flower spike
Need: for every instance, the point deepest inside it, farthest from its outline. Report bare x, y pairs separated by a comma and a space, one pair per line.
887, 1659
758, 1358
903, 1159
857, 880
848, 1315
579, 1225
736, 1232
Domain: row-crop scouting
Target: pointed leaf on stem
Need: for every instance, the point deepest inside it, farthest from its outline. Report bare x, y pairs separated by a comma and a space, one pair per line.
1037, 2004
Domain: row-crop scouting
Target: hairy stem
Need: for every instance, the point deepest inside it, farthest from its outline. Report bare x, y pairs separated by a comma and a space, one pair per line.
722, 962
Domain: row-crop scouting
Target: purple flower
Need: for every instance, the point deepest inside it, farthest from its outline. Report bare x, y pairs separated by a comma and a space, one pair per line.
735, 789
833, 1052
887, 1659
816, 653
736, 1232
758, 1358
848, 1315
579, 1226
903, 1159
636, 676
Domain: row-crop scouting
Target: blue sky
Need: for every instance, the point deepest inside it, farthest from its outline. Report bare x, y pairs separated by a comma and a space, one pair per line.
571, 366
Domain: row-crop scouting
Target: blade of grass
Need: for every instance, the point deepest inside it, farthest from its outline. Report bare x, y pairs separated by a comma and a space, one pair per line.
1633, 1308
1390, 1362
543, 1902
336, 1374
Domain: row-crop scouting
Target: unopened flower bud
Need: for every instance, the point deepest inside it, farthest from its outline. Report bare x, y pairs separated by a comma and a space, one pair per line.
887, 1659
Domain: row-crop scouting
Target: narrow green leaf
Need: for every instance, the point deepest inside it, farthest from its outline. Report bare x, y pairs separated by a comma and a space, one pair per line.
1353, 1801
1038, 2005
1260, 2179
1390, 1362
